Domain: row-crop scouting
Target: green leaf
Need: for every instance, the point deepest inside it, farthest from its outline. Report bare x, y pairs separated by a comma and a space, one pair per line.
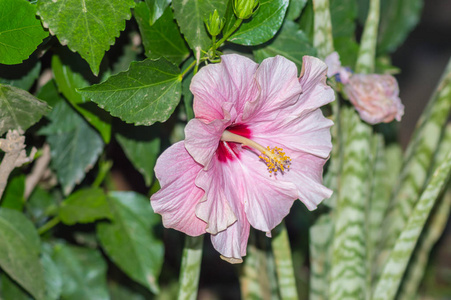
75, 146
163, 38
186, 93
142, 146
343, 14
19, 252
349, 266
21, 76
156, 9
20, 31
128, 240
40, 205
290, 42
13, 196
84, 272
88, 27
367, 53
399, 18
295, 8
19, 109
399, 257
190, 15
148, 92
9, 289
84, 206
69, 77
52, 276
263, 25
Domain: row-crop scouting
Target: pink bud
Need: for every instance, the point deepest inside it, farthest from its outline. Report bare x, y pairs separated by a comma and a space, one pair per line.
375, 97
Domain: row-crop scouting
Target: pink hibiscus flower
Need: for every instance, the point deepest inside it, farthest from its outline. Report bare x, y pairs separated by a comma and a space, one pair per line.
258, 142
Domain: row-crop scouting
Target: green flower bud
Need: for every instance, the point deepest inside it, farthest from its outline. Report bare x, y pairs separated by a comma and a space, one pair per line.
244, 9
214, 24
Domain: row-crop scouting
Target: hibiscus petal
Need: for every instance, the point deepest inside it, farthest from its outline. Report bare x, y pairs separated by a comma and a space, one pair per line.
279, 88
232, 80
177, 199
315, 91
306, 173
201, 139
309, 133
267, 200
223, 209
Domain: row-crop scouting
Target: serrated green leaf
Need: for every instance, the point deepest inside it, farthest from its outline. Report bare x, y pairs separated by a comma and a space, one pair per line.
399, 18
394, 269
156, 9
142, 146
21, 76
290, 42
163, 38
49, 93
186, 93
13, 196
19, 252
190, 15
84, 272
263, 25
84, 206
40, 205
52, 276
88, 27
349, 267
9, 289
128, 240
148, 92
295, 8
75, 146
20, 31
19, 109
68, 79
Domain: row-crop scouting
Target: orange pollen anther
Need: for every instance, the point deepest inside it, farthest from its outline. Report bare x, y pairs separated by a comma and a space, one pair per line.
274, 158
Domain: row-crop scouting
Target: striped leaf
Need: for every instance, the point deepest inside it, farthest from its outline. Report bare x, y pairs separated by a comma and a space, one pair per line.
417, 162
284, 264
395, 267
321, 237
367, 52
322, 39
348, 272
190, 270
386, 171
255, 282
431, 233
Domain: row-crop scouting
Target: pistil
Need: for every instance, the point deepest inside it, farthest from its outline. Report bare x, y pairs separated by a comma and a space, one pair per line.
274, 158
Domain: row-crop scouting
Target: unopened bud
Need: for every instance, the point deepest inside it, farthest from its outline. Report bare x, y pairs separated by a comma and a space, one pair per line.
244, 9
214, 24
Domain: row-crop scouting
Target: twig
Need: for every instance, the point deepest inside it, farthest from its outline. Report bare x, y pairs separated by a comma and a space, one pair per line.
15, 156
38, 171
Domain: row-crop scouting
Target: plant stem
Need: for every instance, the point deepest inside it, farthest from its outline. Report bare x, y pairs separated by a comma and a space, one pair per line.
229, 33
49, 225
188, 68
104, 167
